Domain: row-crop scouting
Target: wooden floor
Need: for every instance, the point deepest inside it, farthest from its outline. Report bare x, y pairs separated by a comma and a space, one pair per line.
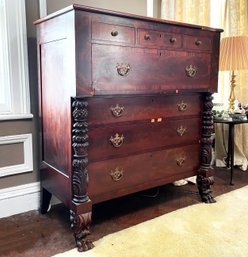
34, 235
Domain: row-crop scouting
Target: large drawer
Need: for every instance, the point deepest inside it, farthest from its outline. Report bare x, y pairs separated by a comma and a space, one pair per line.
112, 178
125, 70
107, 110
119, 140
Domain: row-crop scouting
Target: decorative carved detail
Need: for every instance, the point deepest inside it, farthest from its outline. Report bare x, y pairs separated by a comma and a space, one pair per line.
80, 225
204, 180
79, 145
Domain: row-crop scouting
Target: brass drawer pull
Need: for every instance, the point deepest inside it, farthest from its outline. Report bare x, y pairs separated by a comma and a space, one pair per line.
180, 161
198, 42
123, 69
182, 107
117, 140
114, 33
191, 70
116, 174
181, 130
147, 37
117, 110
173, 40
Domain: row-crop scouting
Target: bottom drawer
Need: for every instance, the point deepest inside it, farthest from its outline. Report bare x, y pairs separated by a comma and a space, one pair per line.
120, 176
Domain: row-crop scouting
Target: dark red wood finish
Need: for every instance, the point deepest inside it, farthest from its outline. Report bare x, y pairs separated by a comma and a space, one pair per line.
125, 105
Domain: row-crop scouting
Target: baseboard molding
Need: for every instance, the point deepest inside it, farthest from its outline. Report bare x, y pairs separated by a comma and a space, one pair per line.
19, 199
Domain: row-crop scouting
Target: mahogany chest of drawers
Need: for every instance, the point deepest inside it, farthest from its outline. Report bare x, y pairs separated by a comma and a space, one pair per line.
125, 105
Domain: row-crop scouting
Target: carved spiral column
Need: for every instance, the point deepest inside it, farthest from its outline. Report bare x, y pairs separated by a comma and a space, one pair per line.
80, 223
205, 173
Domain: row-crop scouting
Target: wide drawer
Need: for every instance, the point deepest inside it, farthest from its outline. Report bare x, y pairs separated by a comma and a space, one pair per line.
107, 110
112, 178
125, 70
119, 140
113, 33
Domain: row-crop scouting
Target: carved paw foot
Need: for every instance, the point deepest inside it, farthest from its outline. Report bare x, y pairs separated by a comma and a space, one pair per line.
204, 187
85, 245
81, 228
208, 199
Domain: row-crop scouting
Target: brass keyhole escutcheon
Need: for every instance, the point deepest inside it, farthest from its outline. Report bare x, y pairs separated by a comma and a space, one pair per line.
116, 174
191, 70
180, 161
181, 130
182, 106
117, 140
123, 68
117, 110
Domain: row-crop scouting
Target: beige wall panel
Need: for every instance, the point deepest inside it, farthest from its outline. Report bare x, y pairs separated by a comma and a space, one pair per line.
11, 154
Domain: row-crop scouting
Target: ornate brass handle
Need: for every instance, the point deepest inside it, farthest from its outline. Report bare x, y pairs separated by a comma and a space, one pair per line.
147, 37
191, 70
198, 42
116, 174
180, 161
117, 140
182, 106
117, 110
123, 68
173, 40
181, 130
114, 33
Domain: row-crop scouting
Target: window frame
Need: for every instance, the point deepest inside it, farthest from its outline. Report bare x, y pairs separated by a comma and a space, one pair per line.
15, 59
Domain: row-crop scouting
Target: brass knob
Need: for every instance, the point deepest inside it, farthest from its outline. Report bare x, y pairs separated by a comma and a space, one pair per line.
114, 33
198, 42
181, 130
173, 40
117, 140
147, 37
182, 106
123, 68
191, 70
117, 110
180, 161
116, 174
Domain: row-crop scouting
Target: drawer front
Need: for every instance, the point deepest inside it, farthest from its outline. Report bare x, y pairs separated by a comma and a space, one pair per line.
113, 33
115, 176
104, 110
197, 43
161, 39
130, 139
125, 70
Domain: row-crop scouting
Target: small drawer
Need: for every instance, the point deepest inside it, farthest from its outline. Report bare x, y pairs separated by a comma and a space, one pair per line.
108, 110
197, 43
114, 177
113, 33
142, 136
158, 38
150, 37
172, 40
